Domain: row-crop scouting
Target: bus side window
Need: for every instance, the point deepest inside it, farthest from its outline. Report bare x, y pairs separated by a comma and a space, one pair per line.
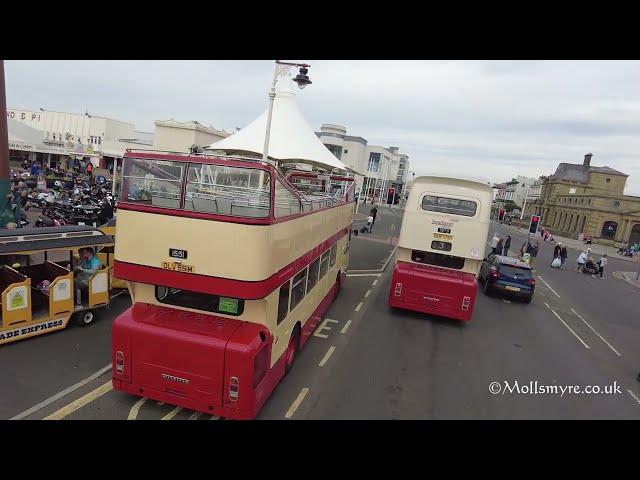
283, 302
324, 264
312, 279
334, 251
298, 288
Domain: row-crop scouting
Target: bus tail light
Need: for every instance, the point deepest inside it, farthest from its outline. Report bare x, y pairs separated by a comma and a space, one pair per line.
234, 389
465, 303
120, 362
398, 290
260, 366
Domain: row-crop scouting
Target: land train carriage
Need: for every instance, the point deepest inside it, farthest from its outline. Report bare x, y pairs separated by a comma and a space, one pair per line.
31, 258
230, 269
441, 246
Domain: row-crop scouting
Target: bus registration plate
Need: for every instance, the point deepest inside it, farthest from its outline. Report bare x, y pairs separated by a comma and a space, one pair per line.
442, 236
178, 267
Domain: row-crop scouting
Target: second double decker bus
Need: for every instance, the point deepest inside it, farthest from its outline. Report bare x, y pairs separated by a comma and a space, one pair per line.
230, 268
441, 246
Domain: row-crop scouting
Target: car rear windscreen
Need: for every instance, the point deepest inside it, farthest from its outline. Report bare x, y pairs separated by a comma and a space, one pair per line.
511, 270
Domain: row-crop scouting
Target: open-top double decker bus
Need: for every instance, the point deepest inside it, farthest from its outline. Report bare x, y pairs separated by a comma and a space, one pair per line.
230, 268
441, 246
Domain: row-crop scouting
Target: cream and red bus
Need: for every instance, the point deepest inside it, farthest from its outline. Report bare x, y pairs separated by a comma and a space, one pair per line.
441, 246
230, 268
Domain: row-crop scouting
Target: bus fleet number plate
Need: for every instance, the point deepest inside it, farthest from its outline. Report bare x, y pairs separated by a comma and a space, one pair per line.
178, 267
177, 253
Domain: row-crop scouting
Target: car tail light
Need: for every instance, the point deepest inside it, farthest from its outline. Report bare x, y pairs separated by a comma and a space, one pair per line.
398, 291
532, 282
465, 303
494, 273
260, 366
234, 389
120, 362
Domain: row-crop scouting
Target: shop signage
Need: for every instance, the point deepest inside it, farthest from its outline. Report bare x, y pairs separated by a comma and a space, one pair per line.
19, 115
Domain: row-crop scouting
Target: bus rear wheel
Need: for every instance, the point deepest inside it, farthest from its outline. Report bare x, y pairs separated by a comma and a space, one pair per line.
338, 284
292, 350
85, 318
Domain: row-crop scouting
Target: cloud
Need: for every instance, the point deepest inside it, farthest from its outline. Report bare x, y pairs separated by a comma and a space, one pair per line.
496, 119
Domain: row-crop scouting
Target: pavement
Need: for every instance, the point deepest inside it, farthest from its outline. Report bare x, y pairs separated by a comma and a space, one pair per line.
367, 361
571, 243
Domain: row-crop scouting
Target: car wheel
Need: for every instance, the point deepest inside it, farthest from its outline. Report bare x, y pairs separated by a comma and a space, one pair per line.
528, 299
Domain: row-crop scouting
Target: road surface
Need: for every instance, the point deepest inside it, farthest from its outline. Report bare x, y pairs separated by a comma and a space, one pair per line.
366, 361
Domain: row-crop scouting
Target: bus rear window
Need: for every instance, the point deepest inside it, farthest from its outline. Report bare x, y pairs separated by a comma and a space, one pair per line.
437, 259
453, 206
199, 301
512, 270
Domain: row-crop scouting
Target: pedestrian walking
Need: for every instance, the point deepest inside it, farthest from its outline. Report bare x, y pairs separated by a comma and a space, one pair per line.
507, 245
601, 264
370, 223
556, 251
494, 243
542, 233
563, 255
500, 246
374, 213
533, 252
582, 259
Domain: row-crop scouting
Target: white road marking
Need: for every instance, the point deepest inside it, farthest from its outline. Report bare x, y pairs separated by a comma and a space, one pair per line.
214, 417
326, 357
61, 394
133, 413
367, 293
594, 331
363, 274
81, 402
634, 396
172, 413
506, 301
556, 294
357, 309
323, 326
296, 403
346, 325
374, 282
195, 415
390, 256
568, 327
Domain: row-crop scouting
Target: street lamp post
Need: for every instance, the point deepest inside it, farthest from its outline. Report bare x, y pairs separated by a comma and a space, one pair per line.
302, 79
524, 205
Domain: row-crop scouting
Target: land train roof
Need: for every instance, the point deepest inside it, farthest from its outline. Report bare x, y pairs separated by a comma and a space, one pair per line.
17, 240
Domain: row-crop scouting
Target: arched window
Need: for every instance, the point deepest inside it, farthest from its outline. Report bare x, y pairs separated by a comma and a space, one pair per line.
609, 230
635, 234
555, 216
584, 221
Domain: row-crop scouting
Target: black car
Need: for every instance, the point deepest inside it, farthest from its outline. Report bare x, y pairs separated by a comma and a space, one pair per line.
507, 275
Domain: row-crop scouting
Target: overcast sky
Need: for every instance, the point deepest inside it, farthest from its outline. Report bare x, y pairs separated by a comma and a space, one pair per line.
495, 119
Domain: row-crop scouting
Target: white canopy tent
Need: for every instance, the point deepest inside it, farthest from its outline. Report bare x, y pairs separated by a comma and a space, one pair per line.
291, 139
